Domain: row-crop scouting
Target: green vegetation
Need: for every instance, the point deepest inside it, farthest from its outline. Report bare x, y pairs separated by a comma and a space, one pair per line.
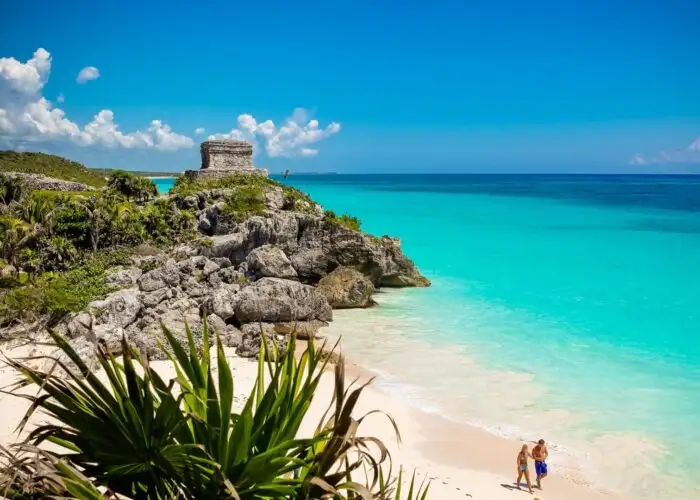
59, 293
132, 186
252, 189
137, 436
44, 232
50, 165
244, 202
345, 220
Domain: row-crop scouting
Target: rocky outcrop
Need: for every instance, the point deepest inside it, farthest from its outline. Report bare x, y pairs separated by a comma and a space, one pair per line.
269, 261
266, 277
346, 288
43, 182
254, 333
274, 300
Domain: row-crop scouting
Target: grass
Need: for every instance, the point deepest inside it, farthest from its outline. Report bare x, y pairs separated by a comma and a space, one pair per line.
50, 165
63, 168
345, 220
57, 294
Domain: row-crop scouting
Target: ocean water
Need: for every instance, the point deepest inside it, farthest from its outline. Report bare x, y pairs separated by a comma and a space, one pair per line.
563, 307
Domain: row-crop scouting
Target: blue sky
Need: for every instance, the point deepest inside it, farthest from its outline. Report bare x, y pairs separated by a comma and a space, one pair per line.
388, 86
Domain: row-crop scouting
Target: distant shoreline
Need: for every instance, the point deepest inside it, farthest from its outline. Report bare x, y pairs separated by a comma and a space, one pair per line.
161, 177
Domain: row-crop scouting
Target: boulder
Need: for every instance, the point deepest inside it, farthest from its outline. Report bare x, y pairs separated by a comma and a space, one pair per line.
275, 199
346, 288
275, 300
190, 201
225, 246
251, 341
311, 264
124, 277
232, 337
222, 301
168, 275
152, 299
175, 320
109, 336
85, 348
270, 261
80, 325
216, 324
304, 330
119, 309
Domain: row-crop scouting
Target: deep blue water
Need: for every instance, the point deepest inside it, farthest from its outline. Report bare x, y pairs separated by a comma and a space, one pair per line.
565, 306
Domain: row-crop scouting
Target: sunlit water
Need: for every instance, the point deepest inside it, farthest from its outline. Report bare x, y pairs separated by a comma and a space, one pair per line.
564, 307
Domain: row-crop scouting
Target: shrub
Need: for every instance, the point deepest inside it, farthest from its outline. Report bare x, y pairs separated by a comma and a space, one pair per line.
132, 186
246, 201
345, 220
12, 189
58, 294
140, 437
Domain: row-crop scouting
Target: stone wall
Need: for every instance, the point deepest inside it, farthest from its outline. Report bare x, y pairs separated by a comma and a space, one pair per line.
227, 155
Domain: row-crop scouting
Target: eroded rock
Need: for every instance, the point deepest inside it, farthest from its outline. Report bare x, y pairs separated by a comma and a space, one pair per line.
346, 288
276, 300
271, 262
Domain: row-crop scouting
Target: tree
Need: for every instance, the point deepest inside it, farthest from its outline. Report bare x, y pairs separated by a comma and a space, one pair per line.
12, 189
132, 186
12, 232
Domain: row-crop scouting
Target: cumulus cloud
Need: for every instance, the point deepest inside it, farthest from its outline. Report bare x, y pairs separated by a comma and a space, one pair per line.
27, 116
292, 138
88, 73
689, 155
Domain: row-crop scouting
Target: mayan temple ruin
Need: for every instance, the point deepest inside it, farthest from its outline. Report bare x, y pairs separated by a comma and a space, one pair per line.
223, 158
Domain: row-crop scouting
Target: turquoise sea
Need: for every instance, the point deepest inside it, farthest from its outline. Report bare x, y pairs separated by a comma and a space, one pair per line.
564, 307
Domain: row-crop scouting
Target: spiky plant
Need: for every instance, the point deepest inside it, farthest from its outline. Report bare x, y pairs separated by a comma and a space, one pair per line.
137, 436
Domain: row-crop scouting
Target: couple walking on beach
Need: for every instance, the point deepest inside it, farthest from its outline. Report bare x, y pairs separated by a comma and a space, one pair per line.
539, 455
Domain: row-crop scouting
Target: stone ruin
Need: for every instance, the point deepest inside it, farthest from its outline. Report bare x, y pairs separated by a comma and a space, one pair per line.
224, 158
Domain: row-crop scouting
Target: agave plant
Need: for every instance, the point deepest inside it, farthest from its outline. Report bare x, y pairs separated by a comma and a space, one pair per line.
132, 434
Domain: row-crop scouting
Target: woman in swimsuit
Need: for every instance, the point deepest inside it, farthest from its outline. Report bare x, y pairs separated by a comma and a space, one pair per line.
522, 467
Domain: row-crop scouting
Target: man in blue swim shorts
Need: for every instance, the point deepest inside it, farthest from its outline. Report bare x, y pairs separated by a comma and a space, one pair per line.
540, 453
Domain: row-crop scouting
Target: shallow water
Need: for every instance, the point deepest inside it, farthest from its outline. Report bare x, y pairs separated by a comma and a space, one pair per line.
563, 307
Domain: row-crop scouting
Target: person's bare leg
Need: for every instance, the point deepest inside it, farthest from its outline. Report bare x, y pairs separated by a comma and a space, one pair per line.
520, 476
539, 480
527, 478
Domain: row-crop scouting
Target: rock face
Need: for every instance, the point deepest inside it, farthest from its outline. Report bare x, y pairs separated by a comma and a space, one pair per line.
43, 182
268, 261
346, 288
274, 300
253, 333
267, 276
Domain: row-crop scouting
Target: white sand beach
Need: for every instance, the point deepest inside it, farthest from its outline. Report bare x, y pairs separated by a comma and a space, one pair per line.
460, 461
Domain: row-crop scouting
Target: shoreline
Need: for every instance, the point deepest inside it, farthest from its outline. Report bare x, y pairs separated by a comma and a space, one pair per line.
461, 462
463, 458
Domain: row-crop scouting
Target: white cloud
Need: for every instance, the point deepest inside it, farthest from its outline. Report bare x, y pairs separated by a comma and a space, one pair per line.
60, 98
689, 155
27, 116
88, 73
293, 138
